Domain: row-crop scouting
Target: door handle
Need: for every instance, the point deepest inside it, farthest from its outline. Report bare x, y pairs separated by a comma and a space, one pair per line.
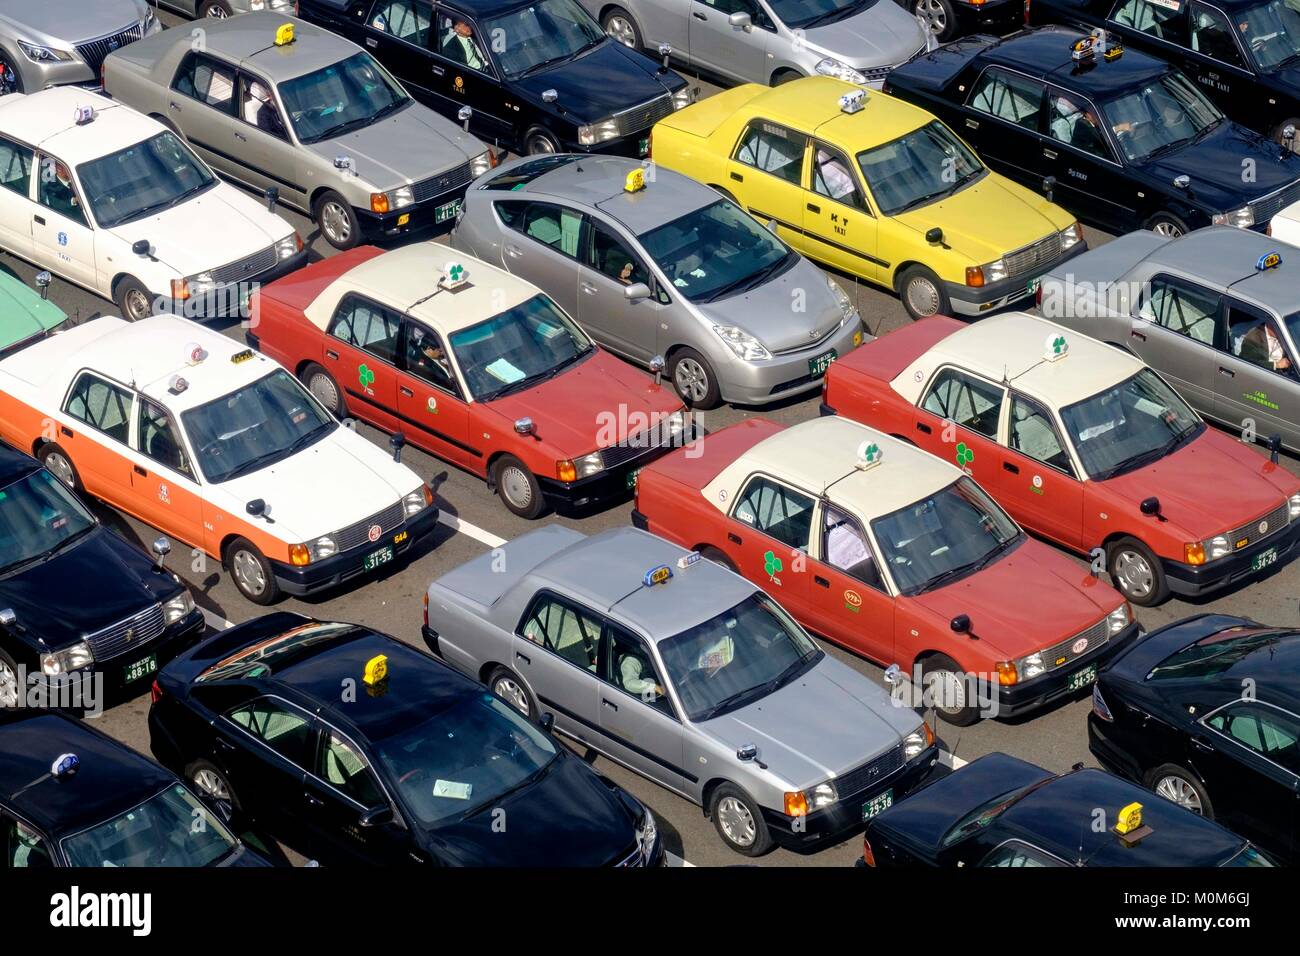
814, 208
733, 538
1201, 745
923, 427
513, 251
1049, 154
438, 70
406, 392
174, 105
972, 124
609, 703
313, 801
1227, 371
737, 177
241, 137
40, 220
525, 658
1140, 336
331, 355
225, 744
588, 288
699, 16
140, 471
821, 581
1014, 469
65, 430
372, 42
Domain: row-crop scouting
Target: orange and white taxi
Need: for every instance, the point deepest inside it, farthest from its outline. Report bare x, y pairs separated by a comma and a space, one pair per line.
217, 446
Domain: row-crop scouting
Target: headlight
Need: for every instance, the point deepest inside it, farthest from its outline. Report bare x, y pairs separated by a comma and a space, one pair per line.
323, 547
44, 54
684, 97
1211, 549
1071, 236
980, 276
841, 71
674, 424
197, 285
589, 465
480, 164
822, 795
600, 132
915, 743
1026, 668
178, 607
1293, 507
842, 299
1241, 218
289, 246
1099, 706
742, 343
417, 501
401, 196
150, 19
647, 833
69, 659
1119, 618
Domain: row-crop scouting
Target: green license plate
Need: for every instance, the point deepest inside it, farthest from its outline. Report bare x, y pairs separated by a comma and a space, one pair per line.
818, 366
643, 147
141, 668
1033, 285
631, 478
376, 558
446, 211
881, 801
1082, 678
1264, 559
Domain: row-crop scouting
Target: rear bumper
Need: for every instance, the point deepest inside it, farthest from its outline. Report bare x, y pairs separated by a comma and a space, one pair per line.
998, 16
1196, 579
611, 485
968, 301
1041, 691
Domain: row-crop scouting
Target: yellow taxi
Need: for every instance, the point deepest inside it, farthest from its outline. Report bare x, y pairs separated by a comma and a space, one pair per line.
874, 187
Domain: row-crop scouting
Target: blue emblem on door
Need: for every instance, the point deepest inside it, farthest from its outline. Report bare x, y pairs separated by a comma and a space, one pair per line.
63, 238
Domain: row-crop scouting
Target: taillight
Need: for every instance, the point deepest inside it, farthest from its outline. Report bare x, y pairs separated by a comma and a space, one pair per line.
868, 857
1038, 295
1026, 12
155, 692
426, 608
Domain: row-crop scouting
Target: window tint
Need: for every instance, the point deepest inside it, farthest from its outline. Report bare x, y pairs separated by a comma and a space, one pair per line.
1157, 20
629, 668
511, 213
160, 440
257, 106
1019, 854
1212, 36
102, 406
553, 226
459, 42
22, 846
773, 149
846, 549
1007, 96
967, 401
427, 359
407, 20
1182, 308
1033, 433
207, 81
284, 730
570, 633
15, 167
367, 326
777, 511
612, 257
832, 176
57, 192
1269, 732
345, 769
1074, 122
1257, 340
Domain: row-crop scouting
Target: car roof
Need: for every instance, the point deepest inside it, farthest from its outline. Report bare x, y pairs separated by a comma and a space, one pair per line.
486, 8
250, 37
812, 105
110, 779
1046, 53
23, 313
1225, 258
47, 119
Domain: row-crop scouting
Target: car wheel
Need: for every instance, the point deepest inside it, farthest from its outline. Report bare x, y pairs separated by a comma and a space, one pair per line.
538, 142
252, 572
216, 9
10, 81
1181, 787
58, 464
738, 821
1167, 224
518, 487
1136, 572
506, 684
622, 27
324, 389
947, 691
693, 379
940, 15
1295, 141
133, 299
10, 691
922, 293
718, 557
337, 221
212, 786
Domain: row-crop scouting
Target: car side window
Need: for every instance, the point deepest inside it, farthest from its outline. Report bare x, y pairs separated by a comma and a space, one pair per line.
773, 149
1212, 35
511, 213
459, 41
1034, 434
1183, 308
101, 405
564, 630
21, 846
344, 768
1256, 339
160, 440
966, 401
777, 511
367, 326
1268, 731
610, 256
208, 81
407, 20
1154, 19
57, 192
16, 167
426, 358
629, 668
554, 226
1008, 96
1074, 122
285, 730
832, 177
845, 548
1015, 853
257, 107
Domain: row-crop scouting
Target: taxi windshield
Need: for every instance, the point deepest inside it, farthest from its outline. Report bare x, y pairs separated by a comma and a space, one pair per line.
542, 34
159, 832
918, 168
255, 426
1137, 422
944, 537
142, 179
38, 517
1159, 116
1271, 32
716, 251
521, 347
344, 96
464, 758
799, 14
736, 658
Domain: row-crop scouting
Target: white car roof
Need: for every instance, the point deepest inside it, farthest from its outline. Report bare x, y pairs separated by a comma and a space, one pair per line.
47, 119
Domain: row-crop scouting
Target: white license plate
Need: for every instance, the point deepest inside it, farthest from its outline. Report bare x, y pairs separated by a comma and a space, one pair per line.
1083, 678
446, 211
881, 801
141, 668
1264, 559
376, 558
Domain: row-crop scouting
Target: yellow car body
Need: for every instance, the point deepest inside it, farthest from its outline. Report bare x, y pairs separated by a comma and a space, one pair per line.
773, 150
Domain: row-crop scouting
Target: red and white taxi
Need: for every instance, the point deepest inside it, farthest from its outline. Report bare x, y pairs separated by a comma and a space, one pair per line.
1083, 444
894, 554
473, 365
219, 447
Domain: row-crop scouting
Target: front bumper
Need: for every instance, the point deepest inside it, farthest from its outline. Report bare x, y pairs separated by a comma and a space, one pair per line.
998, 17
414, 218
1196, 579
611, 485
781, 376
331, 572
231, 299
970, 301
1041, 691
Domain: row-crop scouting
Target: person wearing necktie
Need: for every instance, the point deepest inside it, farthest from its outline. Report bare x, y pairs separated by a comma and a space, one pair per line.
460, 46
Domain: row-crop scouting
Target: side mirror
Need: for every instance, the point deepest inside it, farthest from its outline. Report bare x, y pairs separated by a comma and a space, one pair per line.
549, 96
637, 290
1049, 187
665, 54
141, 247
8, 618
1183, 181
960, 624
546, 721
741, 21
1274, 446
524, 426
934, 236
272, 195
256, 507
772, 227
397, 441
657, 367
161, 547
893, 674
376, 816
43, 280
1150, 507
747, 752
464, 114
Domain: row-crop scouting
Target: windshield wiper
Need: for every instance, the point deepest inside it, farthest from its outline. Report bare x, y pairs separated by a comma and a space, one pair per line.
255, 463
538, 67
921, 201
308, 438
50, 551
745, 283
943, 577
732, 702
1141, 458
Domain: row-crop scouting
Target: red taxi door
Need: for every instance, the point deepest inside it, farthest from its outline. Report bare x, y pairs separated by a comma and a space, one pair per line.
163, 488
848, 600
767, 538
430, 409
959, 419
360, 351
1038, 475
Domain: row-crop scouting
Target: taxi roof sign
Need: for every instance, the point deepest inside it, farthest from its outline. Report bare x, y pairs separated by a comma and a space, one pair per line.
852, 101
284, 34
685, 561
870, 454
65, 765
1056, 347
657, 575
242, 356
1269, 260
1096, 42
177, 385
1128, 825
376, 671
195, 353
454, 275
635, 181
84, 115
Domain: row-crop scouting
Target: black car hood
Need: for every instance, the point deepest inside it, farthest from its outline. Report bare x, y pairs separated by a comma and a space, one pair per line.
598, 83
567, 817
95, 582
1215, 167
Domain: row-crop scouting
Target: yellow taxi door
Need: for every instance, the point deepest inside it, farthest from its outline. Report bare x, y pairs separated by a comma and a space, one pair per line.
838, 224
765, 174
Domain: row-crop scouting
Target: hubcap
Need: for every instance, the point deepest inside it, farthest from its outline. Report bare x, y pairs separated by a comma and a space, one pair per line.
1134, 574
217, 12
516, 487
248, 573
61, 469
538, 145
137, 305
8, 686
211, 786
933, 11
512, 694
946, 691
334, 220
736, 821
1166, 228
621, 30
691, 380
1180, 792
323, 387
922, 297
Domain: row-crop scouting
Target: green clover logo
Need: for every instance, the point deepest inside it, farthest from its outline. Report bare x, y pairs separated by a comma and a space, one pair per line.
365, 376
455, 271
771, 564
1058, 345
965, 454
871, 454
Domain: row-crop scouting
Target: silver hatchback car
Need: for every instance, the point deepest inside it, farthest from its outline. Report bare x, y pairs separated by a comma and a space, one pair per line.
220, 9
686, 674
659, 268
63, 44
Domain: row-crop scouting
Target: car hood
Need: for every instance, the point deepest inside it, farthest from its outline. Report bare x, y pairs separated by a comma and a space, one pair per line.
820, 725
414, 143
1012, 628
1208, 486
884, 34
1215, 167
765, 311
597, 403
605, 80
55, 23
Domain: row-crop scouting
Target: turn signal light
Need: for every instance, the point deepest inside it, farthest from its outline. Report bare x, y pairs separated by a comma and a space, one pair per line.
868, 857
975, 277
180, 289
299, 556
1007, 673
1194, 553
565, 470
379, 203
155, 693
796, 805
428, 495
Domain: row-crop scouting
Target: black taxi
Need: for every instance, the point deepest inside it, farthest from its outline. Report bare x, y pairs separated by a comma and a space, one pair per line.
1121, 139
539, 76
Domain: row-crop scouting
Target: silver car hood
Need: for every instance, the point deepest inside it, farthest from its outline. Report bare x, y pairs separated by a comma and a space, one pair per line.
64, 24
768, 311
882, 35
830, 720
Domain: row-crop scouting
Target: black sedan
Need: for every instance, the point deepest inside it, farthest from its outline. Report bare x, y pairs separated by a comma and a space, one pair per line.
84, 615
72, 796
540, 76
1206, 712
354, 748
1121, 139
952, 18
1001, 811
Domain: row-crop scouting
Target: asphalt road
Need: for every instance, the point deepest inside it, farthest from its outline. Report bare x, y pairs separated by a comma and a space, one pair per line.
391, 601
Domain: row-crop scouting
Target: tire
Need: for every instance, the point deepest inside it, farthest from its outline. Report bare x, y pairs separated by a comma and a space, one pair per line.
216, 9
10, 691
539, 142
945, 683
210, 783
324, 389
133, 299
694, 380
1277, 133
251, 572
782, 77
518, 488
505, 684
59, 464
336, 220
739, 821
10, 80
1180, 786
941, 16
922, 293
1136, 572
622, 27
718, 557
1167, 224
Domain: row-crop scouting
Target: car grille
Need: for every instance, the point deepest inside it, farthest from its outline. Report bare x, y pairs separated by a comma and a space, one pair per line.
94, 51
1268, 207
634, 446
1062, 654
643, 116
440, 184
1250, 532
811, 343
632, 859
869, 774
1032, 258
133, 632
243, 270
355, 535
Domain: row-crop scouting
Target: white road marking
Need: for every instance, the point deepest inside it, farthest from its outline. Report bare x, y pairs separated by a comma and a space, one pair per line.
674, 860
215, 622
951, 761
475, 532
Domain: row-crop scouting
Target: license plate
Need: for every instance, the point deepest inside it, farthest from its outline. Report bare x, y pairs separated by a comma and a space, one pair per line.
1081, 678
446, 211
1264, 559
881, 801
818, 366
1033, 285
631, 478
643, 147
141, 668
376, 558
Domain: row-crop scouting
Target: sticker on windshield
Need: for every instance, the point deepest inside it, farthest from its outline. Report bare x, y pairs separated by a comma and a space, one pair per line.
452, 790
503, 370
719, 655
548, 330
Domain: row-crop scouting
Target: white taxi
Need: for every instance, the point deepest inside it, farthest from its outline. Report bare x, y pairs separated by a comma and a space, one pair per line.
115, 202
216, 445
